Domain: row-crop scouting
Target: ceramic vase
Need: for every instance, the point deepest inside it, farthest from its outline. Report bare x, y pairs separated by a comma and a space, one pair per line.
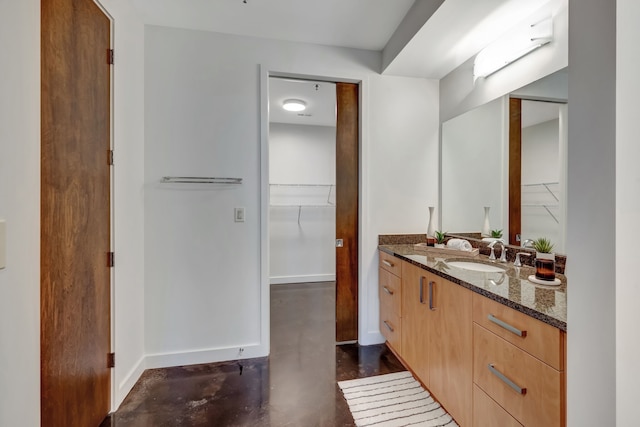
486, 227
430, 227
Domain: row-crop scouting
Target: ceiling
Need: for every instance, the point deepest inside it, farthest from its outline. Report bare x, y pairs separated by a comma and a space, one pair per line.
458, 30
433, 43
536, 112
320, 100
363, 24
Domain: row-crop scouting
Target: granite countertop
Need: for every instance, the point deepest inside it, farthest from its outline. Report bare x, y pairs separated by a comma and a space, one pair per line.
545, 303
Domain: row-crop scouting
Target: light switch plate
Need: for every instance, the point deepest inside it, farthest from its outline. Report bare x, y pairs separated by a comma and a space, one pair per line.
238, 214
3, 244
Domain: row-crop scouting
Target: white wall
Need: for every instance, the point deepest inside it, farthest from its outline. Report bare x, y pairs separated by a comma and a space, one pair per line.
460, 93
302, 245
20, 207
627, 213
591, 204
401, 178
128, 201
474, 165
541, 164
203, 283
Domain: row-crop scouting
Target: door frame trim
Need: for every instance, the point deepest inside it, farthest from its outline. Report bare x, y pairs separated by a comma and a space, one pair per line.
265, 292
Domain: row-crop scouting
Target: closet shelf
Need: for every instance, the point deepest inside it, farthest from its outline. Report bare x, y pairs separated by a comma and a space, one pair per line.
301, 196
546, 207
544, 190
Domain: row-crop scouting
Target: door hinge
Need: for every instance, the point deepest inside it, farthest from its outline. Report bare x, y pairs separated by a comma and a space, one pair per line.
110, 55
111, 360
110, 158
110, 259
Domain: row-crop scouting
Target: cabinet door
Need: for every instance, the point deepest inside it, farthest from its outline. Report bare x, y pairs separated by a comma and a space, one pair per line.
415, 321
530, 390
390, 305
451, 347
487, 413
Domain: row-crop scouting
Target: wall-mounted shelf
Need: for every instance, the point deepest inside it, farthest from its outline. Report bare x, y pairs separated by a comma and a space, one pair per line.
302, 196
199, 180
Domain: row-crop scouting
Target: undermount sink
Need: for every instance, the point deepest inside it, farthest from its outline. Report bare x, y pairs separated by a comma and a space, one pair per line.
476, 266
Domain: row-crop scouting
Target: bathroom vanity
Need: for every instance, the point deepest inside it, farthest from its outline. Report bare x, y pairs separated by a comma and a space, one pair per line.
489, 345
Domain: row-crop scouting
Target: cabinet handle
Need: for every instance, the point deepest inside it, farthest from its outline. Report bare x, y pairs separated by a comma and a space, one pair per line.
388, 325
387, 263
507, 326
387, 290
431, 307
506, 380
421, 289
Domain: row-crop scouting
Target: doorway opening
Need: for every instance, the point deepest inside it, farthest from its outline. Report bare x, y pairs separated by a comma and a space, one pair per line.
313, 180
537, 173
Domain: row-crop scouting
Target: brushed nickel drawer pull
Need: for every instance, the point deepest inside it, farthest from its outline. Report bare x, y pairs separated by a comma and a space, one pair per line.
506, 380
421, 289
431, 307
507, 326
388, 325
387, 263
387, 290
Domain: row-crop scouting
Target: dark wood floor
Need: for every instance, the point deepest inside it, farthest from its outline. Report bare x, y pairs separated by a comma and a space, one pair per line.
295, 386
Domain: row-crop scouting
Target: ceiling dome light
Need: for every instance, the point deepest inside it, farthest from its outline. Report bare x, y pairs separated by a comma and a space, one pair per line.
294, 105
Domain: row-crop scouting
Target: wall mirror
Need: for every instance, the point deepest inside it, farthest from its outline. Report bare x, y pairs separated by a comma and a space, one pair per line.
509, 155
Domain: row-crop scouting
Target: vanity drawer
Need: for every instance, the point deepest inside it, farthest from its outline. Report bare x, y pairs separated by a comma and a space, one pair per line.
390, 263
538, 338
390, 327
500, 368
487, 413
390, 291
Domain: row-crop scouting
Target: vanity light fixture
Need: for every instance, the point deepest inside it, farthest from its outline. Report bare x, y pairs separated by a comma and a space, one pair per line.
512, 46
294, 105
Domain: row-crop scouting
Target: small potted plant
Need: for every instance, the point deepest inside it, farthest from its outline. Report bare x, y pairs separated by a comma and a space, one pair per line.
545, 259
496, 234
440, 237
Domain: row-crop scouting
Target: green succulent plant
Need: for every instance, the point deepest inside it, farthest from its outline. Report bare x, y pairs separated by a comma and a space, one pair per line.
496, 233
440, 236
543, 245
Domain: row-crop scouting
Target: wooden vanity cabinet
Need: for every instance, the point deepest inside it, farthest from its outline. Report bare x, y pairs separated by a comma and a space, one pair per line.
416, 321
390, 295
449, 336
437, 340
519, 364
451, 348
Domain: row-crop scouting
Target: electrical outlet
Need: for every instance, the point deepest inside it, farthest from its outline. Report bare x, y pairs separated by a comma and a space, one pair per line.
238, 214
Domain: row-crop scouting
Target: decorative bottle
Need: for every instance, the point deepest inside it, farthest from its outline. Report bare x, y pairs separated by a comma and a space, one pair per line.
486, 228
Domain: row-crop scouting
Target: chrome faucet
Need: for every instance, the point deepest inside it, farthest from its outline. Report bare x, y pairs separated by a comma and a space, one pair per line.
527, 243
503, 255
517, 262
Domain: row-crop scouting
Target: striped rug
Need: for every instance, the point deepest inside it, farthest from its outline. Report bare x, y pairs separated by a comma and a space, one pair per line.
393, 400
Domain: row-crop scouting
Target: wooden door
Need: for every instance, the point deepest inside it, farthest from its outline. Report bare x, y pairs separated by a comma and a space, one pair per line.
415, 321
451, 348
347, 176
75, 213
515, 170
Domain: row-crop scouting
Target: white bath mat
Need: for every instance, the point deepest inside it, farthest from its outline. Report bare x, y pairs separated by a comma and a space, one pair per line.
393, 400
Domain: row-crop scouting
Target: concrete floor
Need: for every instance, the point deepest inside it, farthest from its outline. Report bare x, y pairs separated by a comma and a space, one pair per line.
295, 386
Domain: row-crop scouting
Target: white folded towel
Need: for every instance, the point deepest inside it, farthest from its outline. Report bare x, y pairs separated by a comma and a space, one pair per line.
460, 244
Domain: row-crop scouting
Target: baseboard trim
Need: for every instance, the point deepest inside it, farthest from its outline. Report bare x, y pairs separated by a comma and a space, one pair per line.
194, 357
371, 338
281, 280
128, 382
